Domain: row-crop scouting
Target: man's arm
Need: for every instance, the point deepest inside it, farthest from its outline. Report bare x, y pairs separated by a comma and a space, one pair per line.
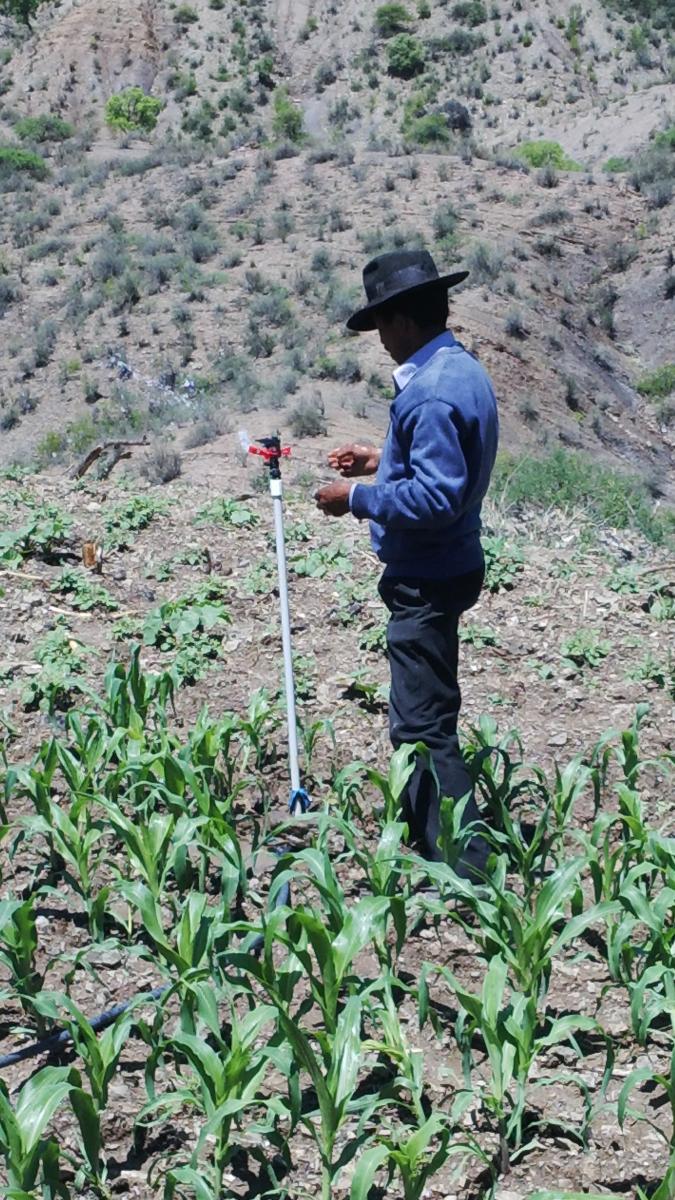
433, 495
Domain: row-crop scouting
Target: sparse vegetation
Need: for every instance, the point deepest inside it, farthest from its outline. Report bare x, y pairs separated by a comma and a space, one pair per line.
570, 480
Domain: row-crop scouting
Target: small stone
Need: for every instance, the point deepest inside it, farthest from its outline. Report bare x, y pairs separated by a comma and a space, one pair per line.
558, 739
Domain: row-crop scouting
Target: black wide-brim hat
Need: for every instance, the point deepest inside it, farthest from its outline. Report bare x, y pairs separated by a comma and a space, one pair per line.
402, 272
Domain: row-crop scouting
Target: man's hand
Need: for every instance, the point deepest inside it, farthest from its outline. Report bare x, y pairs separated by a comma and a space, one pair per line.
333, 499
355, 459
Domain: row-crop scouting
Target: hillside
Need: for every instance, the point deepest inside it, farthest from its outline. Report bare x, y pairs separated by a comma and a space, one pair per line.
218, 257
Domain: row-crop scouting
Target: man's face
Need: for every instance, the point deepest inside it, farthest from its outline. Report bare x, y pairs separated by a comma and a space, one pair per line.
394, 336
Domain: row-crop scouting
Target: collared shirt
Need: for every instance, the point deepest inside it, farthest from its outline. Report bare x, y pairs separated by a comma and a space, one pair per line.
406, 370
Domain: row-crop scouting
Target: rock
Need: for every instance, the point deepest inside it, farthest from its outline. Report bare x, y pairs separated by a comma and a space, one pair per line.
32, 600
558, 739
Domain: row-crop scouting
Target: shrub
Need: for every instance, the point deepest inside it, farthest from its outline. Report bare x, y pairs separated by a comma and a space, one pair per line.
659, 383
458, 41
614, 166
45, 128
546, 154
308, 419
514, 325
110, 260
287, 121
445, 223
391, 19
132, 109
205, 431
428, 130
325, 74
457, 116
45, 340
621, 255
472, 12
405, 56
9, 292
484, 262
12, 159
660, 194
185, 15
161, 464
547, 176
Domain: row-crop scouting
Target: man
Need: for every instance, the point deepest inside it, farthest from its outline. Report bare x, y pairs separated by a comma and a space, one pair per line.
424, 509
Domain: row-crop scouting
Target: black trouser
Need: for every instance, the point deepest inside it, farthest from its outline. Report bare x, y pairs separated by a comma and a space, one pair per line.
425, 698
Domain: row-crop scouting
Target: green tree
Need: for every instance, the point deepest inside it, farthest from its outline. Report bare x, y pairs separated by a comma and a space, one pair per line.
391, 19
132, 109
406, 56
21, 10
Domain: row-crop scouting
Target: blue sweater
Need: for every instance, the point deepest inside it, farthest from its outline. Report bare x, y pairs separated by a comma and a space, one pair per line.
424, 507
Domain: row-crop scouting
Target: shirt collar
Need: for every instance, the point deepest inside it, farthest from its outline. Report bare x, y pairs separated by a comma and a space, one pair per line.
404, 373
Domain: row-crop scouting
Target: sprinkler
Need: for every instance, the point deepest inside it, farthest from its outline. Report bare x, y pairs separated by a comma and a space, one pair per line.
271, 451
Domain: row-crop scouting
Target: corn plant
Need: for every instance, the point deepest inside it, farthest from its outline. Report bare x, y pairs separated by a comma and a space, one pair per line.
666, 1082
131, 697
652, 998
227, 1072
76, 842
29, 1156
100, 1055
256, 728
331, 1058
415, 1156
188, 951
311, 733
18, 948
392, 785
527, 931
326, 943
510, 1034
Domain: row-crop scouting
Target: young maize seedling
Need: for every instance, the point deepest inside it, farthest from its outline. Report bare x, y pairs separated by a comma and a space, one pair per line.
27, 1153
525, 930
18, 947
75, 842
664, 1081
510, 1033
228, 1073
415, 1156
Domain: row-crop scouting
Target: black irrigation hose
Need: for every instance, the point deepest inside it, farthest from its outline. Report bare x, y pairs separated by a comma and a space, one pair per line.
61, 1037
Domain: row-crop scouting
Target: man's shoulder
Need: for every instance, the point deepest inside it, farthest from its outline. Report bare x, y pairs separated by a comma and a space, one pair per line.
452, 376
